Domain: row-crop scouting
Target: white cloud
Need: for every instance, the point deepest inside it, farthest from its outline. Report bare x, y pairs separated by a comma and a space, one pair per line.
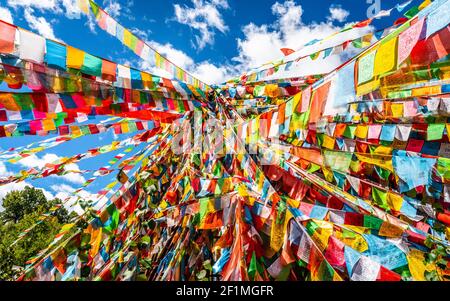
4, 172
175, 55
141, 34
211, 73
262, 43
34, 161
112, 8
5, 189
338, 13
71, 8
39, 4
115, 9
61, 191
39, 24
205, 71
288, 31
65, 191
5, 15
73, 177
204, 17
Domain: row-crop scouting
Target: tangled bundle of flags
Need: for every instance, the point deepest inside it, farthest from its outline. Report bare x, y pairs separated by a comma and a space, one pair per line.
331, 177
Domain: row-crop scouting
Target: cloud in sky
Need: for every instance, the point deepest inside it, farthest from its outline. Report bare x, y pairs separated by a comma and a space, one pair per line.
338, 13
60, 190
34, 161
205, 70
115, 9
5, 15
72, 11
5, 189
112, 8
288, 31
41, 4
57, 191
4, 172
68, 8
39, 24
63, 191
205, 17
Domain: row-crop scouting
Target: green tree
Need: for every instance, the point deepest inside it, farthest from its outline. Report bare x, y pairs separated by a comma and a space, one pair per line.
22, 210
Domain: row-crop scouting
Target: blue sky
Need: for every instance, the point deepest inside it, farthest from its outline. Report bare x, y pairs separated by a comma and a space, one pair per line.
214, 39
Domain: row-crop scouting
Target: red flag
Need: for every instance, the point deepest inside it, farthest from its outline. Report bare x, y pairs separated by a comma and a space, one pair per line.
335, 252
7, 34
363, 23
287, 51
400, 21
387, 275
345, 44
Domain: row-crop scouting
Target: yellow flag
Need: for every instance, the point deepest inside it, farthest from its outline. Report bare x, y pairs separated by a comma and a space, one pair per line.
328, 174
147, 80
243, 191
158, 60
96, 239
322, 234
278, 232
383, 162
124, 127
368, 87
328, 142
75, 58
355, 240
7, 100
386, 57
362, 131
111, 185
276, 235
66, 227
48, 125
394, 201
76, 132
390, 230
58, 84
297, 98
383, 150
417, 267
424, 4
127, 37
272, 90
433, 90
397, 110
448, 130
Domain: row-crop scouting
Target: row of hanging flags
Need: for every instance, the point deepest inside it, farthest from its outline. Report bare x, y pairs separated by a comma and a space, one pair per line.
343, 176
58, 85
138, 46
